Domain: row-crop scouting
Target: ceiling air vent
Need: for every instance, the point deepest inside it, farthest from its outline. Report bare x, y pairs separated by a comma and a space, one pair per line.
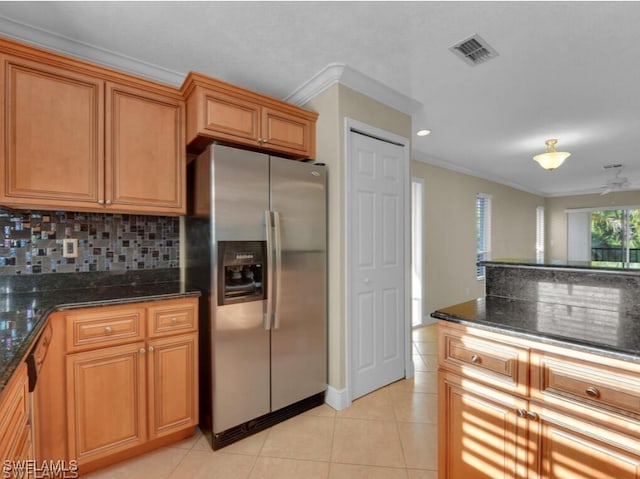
474, 50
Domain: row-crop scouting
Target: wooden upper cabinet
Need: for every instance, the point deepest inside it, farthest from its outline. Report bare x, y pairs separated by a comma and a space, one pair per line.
81, 137
145, 154
287, 132
53, 136
220, 111
231, 117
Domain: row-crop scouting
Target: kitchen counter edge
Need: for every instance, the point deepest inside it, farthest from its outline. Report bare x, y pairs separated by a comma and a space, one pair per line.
40, 320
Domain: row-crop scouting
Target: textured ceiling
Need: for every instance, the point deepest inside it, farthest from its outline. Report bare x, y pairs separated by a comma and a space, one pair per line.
567, 70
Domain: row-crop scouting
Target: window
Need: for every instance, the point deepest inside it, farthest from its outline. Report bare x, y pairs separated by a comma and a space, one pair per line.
483, 231
601, 234
540, 234
615, 235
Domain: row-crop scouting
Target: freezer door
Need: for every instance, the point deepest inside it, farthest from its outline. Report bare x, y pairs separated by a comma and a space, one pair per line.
298, 337
240, 345
241, 365
240, 192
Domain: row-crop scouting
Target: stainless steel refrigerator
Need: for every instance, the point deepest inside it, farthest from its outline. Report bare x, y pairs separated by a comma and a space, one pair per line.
255, 239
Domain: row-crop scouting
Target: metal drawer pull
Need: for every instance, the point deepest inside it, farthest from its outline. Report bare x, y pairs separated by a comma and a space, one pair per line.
142, 351
150, 349
593, 392
174, 320
107, 329
475, 359
522, 412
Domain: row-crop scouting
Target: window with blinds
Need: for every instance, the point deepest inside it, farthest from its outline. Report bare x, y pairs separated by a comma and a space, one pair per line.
540, 234
483, 230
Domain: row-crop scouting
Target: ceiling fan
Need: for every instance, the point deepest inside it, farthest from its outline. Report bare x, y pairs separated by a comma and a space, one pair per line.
617, 183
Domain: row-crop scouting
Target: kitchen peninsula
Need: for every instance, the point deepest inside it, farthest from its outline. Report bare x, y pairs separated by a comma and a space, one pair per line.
544, 372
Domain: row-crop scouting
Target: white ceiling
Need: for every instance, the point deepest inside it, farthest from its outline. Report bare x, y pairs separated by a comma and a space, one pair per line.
566, 70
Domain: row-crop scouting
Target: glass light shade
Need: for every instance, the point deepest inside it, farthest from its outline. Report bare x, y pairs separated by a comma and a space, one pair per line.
552, 158
550, 161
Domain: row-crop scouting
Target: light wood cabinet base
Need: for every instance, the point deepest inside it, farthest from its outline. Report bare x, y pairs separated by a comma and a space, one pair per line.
513, 408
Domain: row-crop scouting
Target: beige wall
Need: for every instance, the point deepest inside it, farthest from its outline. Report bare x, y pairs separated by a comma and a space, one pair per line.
556, 216
450, 231
334, 105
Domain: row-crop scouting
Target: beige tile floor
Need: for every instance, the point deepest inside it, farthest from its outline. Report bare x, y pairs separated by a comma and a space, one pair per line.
388, 434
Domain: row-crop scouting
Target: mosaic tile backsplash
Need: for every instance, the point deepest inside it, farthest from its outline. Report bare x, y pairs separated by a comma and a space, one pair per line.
31, 242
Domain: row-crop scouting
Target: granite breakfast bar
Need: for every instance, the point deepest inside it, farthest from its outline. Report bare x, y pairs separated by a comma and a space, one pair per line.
582, 304
541, 377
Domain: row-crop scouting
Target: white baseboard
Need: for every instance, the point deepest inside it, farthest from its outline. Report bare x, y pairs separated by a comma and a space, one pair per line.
337, 399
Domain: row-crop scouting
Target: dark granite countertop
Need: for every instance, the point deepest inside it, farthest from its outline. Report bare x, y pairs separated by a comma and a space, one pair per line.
24, 308
600, 266
609, 332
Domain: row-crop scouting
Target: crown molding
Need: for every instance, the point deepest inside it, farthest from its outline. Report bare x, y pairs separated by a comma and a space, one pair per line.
85, 51
345, 75
419, 156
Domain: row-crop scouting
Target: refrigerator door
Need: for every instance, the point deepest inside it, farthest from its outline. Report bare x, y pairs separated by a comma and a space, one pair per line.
240, 344
240, 192
298, 335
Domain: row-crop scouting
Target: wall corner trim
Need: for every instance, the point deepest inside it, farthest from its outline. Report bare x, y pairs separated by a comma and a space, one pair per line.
338, 399
345, 75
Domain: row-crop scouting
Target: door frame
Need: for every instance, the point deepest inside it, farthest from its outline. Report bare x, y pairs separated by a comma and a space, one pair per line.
419, 235
351, 125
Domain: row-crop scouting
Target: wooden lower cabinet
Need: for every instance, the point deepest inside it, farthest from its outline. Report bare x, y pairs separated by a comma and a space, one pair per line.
172, 380
570, 448
106, 410
121, 380
481, 434
15, 429
486, 431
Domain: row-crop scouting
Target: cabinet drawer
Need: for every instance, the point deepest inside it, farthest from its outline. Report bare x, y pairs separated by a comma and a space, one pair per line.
14, 410
104, 327
557, 378
501, 365
171, 317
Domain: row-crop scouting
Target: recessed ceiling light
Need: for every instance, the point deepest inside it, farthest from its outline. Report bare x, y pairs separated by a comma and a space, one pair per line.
423, 132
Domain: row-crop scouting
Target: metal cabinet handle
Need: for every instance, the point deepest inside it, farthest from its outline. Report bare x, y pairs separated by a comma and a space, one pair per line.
108, 329
100, 202
142, 351
108, 202
593, 392
475, 359
174, 320
150, 349
527, 414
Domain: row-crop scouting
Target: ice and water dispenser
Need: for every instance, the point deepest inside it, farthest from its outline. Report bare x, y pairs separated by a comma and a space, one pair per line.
241, 271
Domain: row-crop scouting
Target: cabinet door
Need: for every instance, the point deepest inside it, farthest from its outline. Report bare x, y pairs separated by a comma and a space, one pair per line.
145, 154
481, 435
229, 117
568, 448
53, 137
286, 132
105, 401
172, 384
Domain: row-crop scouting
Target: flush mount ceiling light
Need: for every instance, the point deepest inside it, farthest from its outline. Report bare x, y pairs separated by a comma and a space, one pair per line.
423, 132
552, 159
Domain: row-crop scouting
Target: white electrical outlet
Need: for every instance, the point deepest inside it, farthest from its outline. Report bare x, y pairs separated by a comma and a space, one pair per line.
70, 248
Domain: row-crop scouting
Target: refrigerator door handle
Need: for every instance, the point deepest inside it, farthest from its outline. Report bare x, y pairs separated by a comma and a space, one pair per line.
266, 320
277, 240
